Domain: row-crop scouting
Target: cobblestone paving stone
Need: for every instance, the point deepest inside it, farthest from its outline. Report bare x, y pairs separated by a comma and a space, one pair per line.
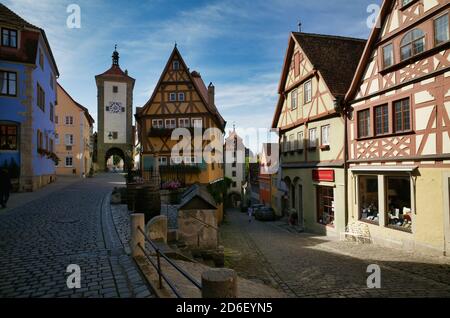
302, 265
73, 225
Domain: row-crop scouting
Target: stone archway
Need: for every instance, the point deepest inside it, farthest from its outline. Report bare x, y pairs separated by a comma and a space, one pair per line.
113, 152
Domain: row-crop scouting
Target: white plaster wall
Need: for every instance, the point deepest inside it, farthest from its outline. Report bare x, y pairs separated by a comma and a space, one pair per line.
115, 122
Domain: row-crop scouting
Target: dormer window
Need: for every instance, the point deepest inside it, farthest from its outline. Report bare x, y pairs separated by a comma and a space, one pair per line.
9, 38
412, 44
176, 65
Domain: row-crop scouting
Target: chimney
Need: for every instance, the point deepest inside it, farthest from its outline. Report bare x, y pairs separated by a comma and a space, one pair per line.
211, 93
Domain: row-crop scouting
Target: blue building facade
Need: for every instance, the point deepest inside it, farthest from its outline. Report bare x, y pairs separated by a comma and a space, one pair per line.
28, 75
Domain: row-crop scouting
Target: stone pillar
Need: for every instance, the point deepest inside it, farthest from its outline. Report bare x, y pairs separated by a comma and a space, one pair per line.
219, 283
137, 221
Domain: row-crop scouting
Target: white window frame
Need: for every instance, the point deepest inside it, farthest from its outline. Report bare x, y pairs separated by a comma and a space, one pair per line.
172, 97
68, 120
162, 161
294, 99
312, 141
181, 97
170, 121
291, 142
194, 120
300, 140
307, 92
71, 162
70, 137
184, 123
158, 123
325, 131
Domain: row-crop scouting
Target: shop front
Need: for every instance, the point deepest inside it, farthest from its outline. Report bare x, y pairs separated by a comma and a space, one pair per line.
317, 195
400, 205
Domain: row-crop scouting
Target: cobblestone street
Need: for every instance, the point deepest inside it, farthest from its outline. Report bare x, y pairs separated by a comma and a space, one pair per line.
303, 265
70, 225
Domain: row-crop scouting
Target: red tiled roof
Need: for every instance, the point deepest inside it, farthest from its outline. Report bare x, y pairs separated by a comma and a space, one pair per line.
335, 57
28, 41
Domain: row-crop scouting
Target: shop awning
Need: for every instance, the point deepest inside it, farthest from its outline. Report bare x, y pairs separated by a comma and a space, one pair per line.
383, 168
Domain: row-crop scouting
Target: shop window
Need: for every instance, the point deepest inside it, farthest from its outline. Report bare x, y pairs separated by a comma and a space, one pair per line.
398, 203
325, 205
8, 137
368, 199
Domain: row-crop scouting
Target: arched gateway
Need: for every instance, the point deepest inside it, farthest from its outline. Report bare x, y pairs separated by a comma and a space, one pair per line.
115, 111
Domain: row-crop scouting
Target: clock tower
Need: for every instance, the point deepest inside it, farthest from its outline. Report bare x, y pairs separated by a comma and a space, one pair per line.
115, 109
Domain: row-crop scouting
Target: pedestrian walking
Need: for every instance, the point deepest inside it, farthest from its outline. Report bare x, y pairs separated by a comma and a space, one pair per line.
250, 214
5, 187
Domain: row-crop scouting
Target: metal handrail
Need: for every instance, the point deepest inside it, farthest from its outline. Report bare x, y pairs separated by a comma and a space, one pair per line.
204, 223
159, 254
160, 273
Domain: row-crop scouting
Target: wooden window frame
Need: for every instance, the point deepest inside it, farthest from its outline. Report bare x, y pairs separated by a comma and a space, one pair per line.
434, 28
385, 130
177, 64
384, 57
394, 112
410, 44
367, 121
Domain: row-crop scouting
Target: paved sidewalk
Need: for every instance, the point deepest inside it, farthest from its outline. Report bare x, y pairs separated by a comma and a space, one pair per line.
66, 225
18, 199
304, 265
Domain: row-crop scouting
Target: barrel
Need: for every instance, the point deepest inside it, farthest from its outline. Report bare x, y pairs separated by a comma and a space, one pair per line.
131, 195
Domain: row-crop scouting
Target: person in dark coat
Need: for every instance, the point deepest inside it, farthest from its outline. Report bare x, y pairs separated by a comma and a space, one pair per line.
5, 187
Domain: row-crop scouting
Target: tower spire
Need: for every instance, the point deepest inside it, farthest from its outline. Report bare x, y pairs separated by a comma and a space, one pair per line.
115, 56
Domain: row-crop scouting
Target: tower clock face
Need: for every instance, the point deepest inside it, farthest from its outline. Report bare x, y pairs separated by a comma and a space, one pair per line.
115, 108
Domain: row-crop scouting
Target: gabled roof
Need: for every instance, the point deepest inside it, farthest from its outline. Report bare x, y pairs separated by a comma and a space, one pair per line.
335, 58
84, 109
198, 84
200, 192
29, 41
373, 38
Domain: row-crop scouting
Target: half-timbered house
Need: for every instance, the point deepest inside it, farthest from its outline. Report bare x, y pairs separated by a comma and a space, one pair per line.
317, 72
180, 100
398, 128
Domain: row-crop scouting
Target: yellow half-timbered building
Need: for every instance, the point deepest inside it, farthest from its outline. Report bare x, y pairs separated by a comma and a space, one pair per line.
180, 100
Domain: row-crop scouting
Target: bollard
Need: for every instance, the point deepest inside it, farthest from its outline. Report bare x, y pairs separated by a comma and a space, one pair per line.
219, 283
137, 220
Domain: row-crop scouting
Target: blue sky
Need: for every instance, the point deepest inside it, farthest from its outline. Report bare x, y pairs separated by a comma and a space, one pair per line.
239, 45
